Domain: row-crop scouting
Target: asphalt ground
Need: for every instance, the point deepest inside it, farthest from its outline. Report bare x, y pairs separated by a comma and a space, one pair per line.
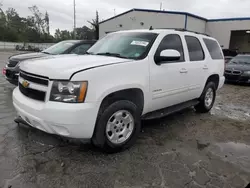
185, 149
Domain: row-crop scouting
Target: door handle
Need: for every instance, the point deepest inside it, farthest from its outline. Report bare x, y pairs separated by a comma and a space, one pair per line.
183, 70
205, 67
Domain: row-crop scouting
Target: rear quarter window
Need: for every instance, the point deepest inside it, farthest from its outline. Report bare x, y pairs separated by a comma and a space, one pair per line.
213, 48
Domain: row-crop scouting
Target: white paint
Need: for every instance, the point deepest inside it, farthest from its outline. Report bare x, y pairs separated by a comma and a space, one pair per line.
162, 85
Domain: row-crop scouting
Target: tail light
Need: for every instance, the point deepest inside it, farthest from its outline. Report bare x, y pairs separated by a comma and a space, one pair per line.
4, 71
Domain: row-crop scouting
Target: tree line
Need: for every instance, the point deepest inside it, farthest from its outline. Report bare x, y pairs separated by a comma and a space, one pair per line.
36, 28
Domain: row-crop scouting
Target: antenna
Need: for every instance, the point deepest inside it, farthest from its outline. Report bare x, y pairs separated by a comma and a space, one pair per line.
161, 6
114, 12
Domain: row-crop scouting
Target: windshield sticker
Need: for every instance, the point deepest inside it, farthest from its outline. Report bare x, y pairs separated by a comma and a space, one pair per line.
139, 43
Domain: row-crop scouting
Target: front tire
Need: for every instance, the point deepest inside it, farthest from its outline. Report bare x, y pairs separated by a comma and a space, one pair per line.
117, 126
207, 98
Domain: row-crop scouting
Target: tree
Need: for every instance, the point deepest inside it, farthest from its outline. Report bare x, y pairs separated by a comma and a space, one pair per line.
95, 24
34, 28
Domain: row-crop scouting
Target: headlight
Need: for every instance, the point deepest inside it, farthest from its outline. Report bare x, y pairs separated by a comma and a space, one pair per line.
246, 73
69, 92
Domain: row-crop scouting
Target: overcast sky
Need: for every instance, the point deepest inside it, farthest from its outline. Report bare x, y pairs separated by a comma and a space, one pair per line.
61, 11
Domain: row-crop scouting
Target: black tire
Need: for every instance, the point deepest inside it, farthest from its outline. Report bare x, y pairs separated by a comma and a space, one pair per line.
202, 107
100, 138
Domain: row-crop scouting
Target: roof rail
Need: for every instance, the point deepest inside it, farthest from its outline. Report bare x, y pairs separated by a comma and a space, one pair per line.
182, 29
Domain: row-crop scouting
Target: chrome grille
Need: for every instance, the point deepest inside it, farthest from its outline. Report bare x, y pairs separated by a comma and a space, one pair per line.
236, 72
233, 72
36, 88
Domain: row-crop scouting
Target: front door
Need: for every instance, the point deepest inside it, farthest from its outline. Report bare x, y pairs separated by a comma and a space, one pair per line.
168, 81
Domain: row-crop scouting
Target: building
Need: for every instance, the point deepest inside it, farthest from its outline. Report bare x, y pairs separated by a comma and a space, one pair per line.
233, 33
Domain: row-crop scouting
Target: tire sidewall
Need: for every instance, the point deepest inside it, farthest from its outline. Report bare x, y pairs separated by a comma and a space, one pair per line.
212, 86
100, 136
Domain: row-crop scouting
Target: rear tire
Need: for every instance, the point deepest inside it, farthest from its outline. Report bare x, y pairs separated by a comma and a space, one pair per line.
117, 126
207, 98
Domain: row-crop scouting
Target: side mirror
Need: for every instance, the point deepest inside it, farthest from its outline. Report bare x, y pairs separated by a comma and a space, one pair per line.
168, 55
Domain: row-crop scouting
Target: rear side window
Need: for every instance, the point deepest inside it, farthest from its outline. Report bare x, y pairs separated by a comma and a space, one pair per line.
194, 48
213, 48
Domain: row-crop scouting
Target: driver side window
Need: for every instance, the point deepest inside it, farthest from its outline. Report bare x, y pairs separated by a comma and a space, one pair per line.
81, 49
171, 42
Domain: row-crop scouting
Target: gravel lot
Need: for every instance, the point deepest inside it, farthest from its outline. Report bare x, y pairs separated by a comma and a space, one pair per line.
182, 150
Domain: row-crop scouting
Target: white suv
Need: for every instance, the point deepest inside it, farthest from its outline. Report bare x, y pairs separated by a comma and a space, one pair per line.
126, 76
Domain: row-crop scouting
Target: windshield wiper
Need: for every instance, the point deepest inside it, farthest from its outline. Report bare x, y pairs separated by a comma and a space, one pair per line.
46, 52
111, 54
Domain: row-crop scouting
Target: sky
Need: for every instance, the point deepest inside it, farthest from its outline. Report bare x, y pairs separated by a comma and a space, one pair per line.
61, 11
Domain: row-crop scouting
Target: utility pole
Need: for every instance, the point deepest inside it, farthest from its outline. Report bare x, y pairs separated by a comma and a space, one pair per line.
74, 30
161, 6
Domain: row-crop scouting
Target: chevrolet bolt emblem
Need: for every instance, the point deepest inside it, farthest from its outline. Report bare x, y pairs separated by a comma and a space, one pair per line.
25, 83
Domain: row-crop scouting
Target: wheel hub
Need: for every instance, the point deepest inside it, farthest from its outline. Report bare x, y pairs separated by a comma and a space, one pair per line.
120, 127
209, 97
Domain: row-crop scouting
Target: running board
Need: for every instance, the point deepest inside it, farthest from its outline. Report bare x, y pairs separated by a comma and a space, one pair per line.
169, 110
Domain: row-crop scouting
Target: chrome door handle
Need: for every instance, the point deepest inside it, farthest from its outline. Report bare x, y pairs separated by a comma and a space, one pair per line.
205, 67
183, 70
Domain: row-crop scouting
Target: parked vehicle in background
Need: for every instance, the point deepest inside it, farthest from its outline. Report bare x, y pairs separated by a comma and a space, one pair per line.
238, 69
11, 70
228, 58
128, 75
230, 52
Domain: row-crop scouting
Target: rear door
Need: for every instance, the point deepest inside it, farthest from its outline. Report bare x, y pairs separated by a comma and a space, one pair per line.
197, 66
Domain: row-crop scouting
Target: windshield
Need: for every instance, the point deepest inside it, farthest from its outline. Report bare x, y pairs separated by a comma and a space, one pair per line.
59, 48
134, 45
241, 59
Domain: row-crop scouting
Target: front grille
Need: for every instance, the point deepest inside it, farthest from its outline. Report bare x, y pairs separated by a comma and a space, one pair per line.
237, 72
32, 93
233, 72
232, 77
34, 79
11, 75
12, 63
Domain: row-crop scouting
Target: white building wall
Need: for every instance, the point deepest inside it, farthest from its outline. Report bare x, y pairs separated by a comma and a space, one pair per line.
132, 20
221, 30
195, 24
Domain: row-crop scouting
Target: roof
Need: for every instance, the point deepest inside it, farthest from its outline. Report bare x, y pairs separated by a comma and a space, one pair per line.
229, 19
154, 11
177, 12
165, 30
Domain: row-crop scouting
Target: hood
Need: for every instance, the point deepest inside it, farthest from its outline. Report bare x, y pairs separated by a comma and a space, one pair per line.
21, 57
240, 67
63, 66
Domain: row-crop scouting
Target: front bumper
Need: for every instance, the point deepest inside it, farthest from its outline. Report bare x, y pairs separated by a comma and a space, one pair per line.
237, 78
70, 120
